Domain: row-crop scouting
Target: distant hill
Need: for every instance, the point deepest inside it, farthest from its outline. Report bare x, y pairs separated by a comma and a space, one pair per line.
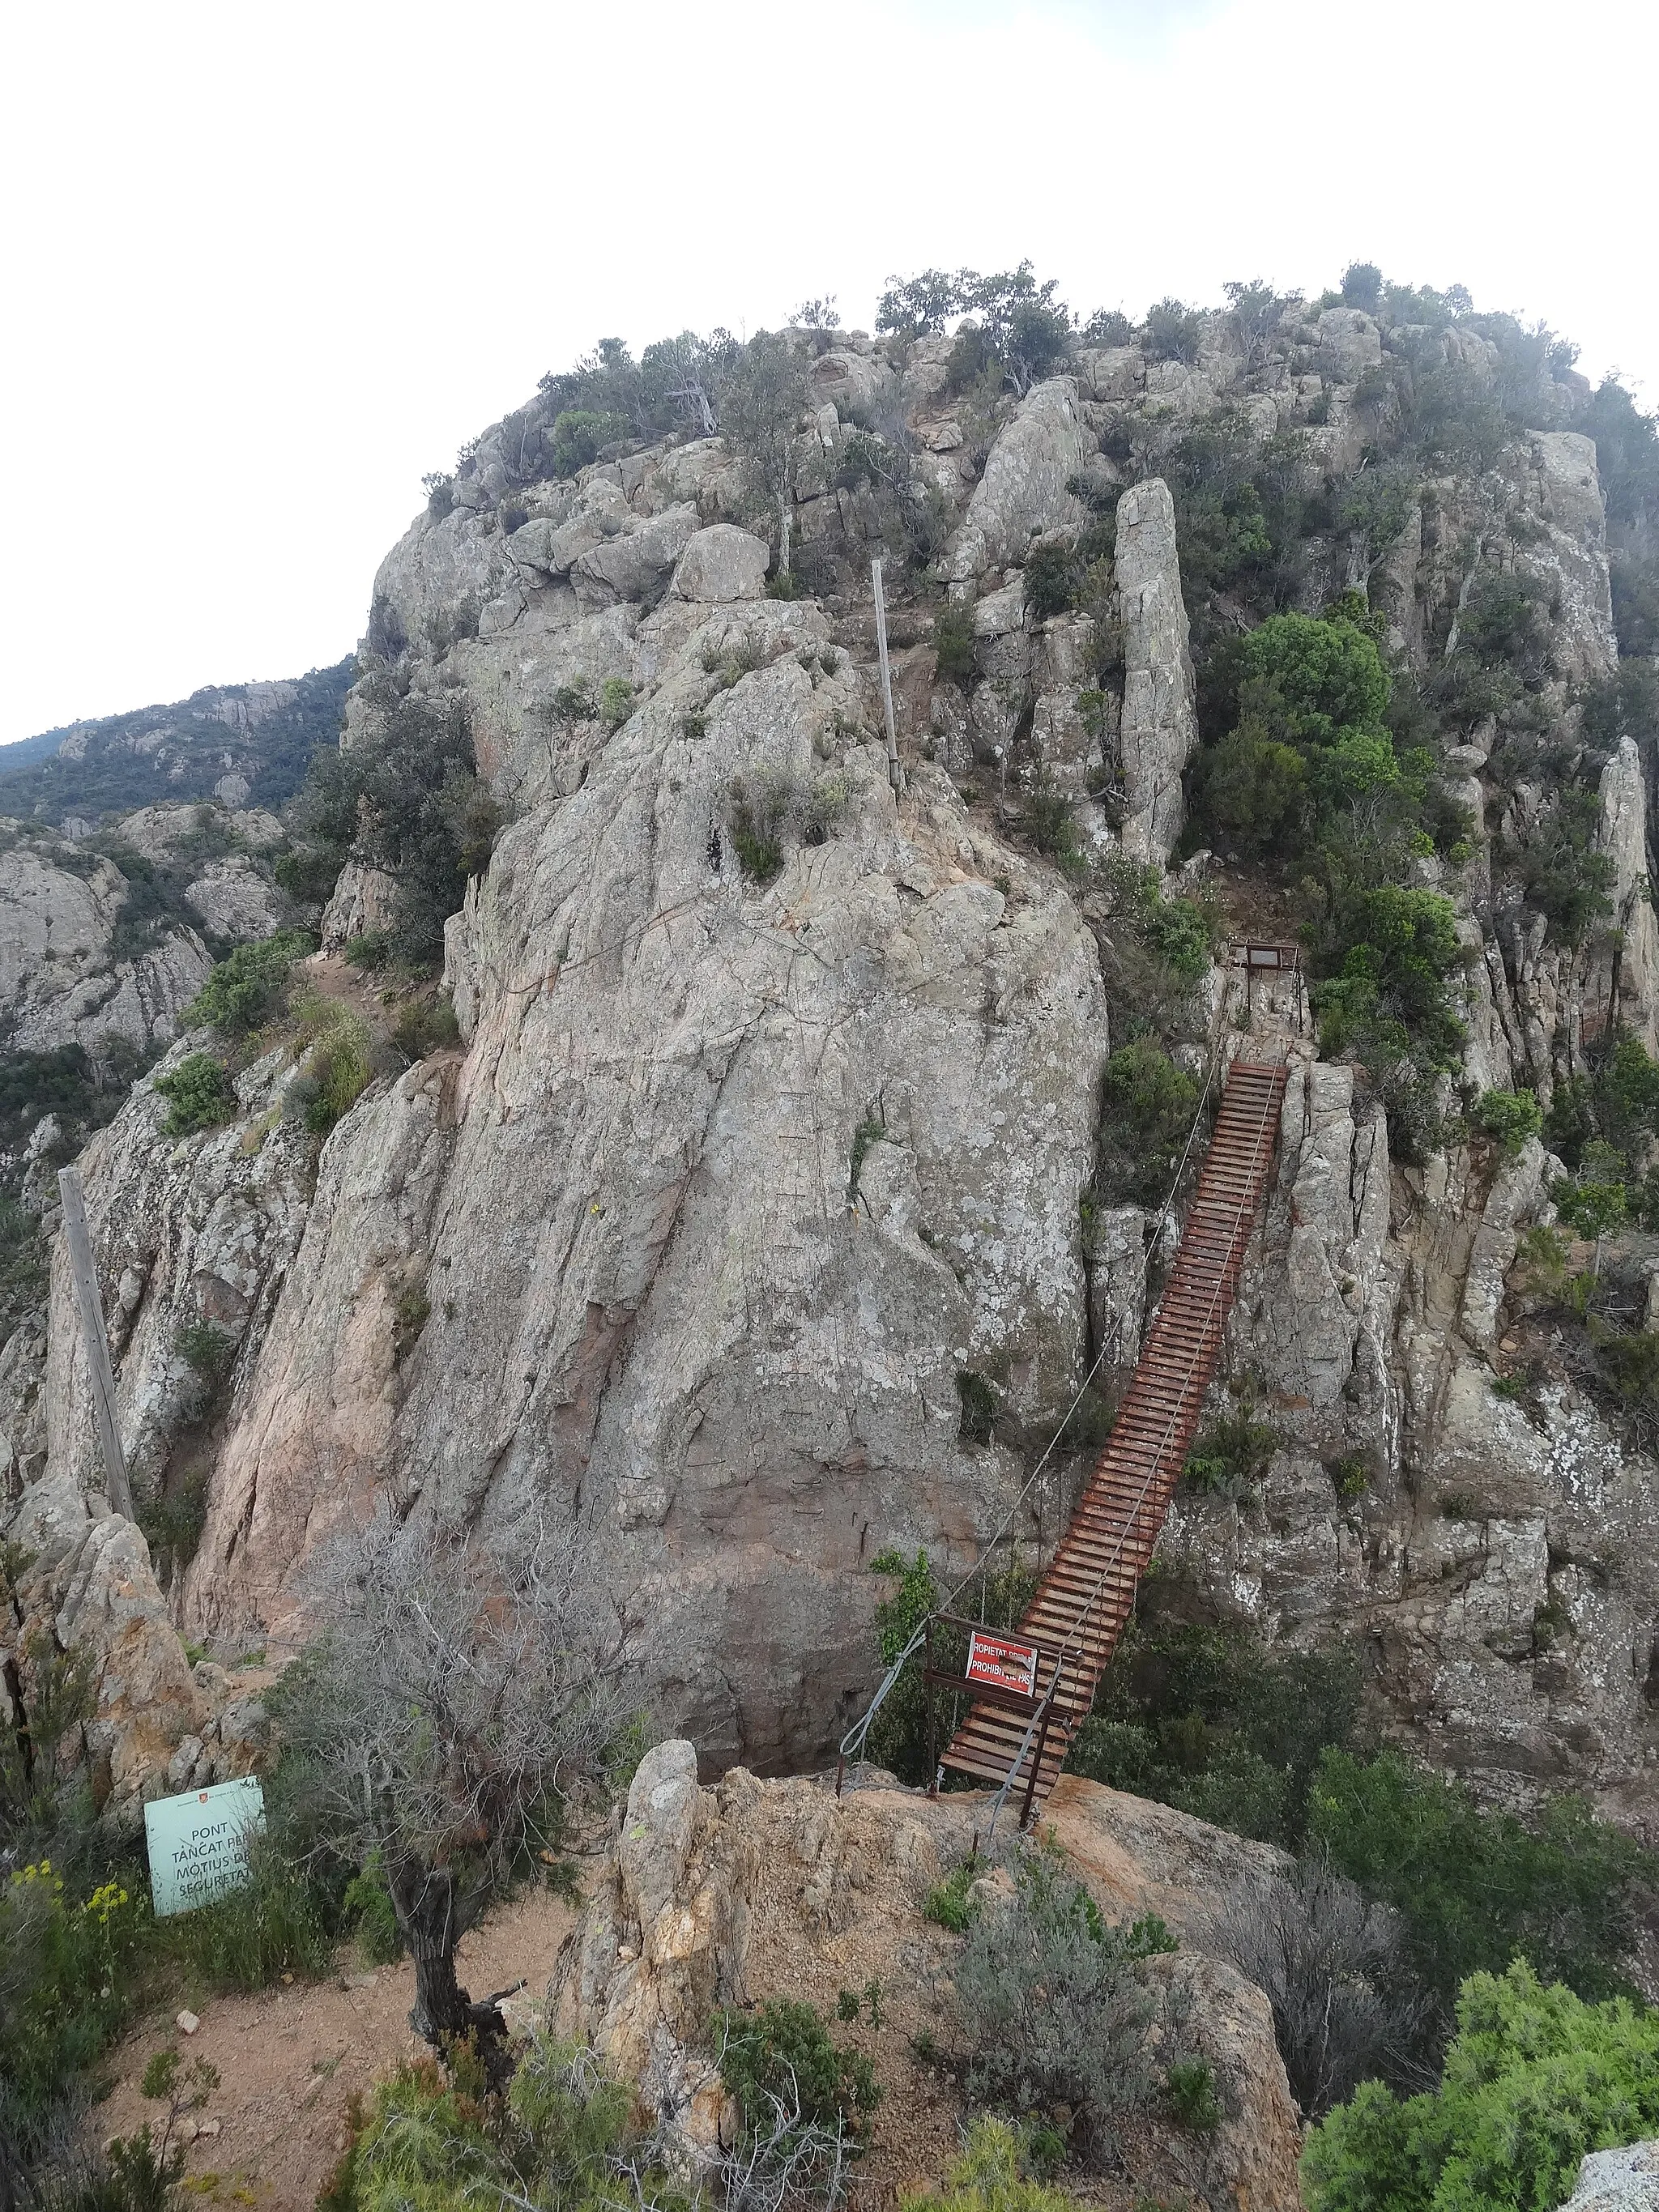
244, 744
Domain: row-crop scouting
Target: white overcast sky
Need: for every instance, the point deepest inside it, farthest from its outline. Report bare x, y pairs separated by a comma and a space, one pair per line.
263, 267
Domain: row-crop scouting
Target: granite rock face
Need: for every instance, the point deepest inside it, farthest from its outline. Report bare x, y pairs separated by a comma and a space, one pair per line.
735, 1187
1624, 2180
1497, 1558
660, 1295
65, 976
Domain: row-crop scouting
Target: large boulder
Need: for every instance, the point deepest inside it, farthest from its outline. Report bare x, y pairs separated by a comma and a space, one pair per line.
634, 564
720, 564
1024, 492
86, 1592
665, 1939
1349, 344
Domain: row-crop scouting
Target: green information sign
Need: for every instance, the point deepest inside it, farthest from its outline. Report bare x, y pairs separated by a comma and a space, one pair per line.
198, 1843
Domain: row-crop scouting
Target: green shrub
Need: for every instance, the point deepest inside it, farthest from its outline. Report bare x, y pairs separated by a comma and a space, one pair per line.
1594, 1209
948, 1903
1177, 933
1108, 327
898, 1737
1051, 825
1249, 795
368, 1904
980, 1401
68, 1976
1561, 871
1171, 332
408, 802
424, 1026
994, 2174
1320, 676
953, 644
577, 435
565, 2134
250, 1937
372, 951
616, 701
1181, 933
250, 988
870, 1131
782, 2046
1508, 1118
174, 1517
207, 1348
1147, 1107
334, 1073
1629, 1366
1474, 1888
411, 1310
201, 1094
575, 703
1231, 1457
1189, 2089
1615, 1104
307, 873
1052, 577
773, 808
24, 1269
1534, 2080
1211, 1721
1055, 2007
1397, 947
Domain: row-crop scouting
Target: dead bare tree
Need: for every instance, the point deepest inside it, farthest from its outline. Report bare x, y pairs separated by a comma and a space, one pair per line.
1346, 2006
763, 395
460, 1689
785, 2160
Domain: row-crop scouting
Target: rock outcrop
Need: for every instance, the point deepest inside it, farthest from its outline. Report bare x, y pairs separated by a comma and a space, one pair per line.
1026, 490
739, 1192
1497, 1557
66, 978
761, 1889
1618, 2180
1159, 726
659, 1293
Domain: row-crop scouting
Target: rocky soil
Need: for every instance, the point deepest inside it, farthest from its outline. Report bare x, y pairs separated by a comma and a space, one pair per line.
290, 2060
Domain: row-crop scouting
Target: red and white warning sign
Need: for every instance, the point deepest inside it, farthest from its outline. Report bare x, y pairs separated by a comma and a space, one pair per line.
999, 1659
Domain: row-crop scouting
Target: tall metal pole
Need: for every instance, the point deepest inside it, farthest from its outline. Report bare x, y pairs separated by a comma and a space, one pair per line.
94, 1339
886, 675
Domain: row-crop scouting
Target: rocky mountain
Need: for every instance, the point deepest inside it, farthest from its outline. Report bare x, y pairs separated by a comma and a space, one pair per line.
243, 745
789, 1190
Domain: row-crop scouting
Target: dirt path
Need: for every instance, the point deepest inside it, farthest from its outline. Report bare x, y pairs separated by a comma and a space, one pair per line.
290, 2059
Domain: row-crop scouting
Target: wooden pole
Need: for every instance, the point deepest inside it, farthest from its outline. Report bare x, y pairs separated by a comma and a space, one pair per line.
886, 675
94, 1339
